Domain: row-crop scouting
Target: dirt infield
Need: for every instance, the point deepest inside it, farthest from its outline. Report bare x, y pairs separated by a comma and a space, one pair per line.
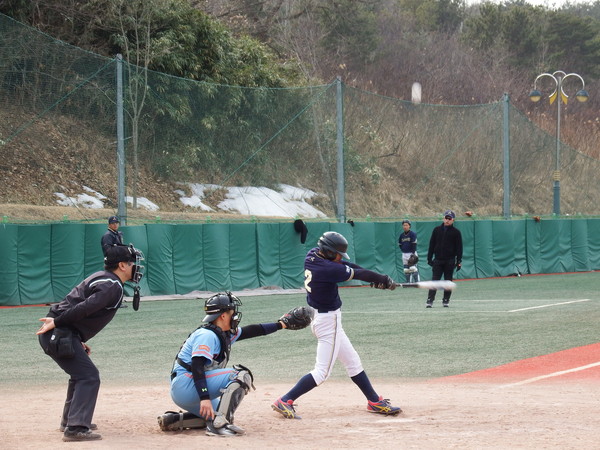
485, 409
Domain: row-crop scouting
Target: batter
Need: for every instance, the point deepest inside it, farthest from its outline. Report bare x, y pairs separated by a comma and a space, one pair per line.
324, 268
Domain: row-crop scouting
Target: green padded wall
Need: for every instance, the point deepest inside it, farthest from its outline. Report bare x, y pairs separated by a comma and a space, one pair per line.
188, 271
9, 273
94, 258
67, 247
43, 262
34, 264
593, 239
243, 259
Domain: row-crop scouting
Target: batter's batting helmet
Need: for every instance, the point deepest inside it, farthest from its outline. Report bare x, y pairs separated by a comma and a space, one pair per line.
332, 243
219, 303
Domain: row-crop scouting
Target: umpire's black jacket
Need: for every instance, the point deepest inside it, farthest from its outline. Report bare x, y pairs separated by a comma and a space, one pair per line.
90, 305
445, 244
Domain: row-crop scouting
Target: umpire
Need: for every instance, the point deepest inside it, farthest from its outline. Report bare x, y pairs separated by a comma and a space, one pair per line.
444, 255
84, 312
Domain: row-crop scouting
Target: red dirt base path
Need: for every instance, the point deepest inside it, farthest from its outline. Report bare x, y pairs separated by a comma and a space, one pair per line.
579, 363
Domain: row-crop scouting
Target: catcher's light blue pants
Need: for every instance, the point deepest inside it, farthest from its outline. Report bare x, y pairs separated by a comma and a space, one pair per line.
185, 395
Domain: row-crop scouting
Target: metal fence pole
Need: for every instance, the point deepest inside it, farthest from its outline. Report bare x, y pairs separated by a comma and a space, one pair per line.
341, 204
506, 151
121, 204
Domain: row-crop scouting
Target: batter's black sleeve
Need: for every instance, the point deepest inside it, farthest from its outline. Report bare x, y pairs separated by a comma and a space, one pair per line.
369, 276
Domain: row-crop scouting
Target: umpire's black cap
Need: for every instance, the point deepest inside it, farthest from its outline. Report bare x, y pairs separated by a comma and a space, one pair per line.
119, 253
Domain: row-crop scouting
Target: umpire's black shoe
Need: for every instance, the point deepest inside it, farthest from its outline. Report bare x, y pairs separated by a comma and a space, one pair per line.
445, 304
64, 427
429, 304
80, 434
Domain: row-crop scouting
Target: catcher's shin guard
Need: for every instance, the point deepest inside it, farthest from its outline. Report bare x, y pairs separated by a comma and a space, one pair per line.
177, 421
233, 395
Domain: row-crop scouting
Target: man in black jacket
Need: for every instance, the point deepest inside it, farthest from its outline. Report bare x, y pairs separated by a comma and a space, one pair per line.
67, 327
444, 255
113, 235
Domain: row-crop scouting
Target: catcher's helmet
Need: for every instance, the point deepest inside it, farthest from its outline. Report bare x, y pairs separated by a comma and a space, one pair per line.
332, 243
219, 303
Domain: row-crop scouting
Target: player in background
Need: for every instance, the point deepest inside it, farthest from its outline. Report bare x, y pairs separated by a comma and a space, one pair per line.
444, 255
112, 236
323, 270
408, 246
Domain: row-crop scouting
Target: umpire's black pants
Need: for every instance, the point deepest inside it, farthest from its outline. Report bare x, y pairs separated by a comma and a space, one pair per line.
83, 387
441, 267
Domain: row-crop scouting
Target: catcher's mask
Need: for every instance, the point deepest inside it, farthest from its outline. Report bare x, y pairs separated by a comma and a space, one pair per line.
126, 253
331, 244
218, 304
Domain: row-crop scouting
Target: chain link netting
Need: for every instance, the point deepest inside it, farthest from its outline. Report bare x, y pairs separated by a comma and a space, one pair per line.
400, 159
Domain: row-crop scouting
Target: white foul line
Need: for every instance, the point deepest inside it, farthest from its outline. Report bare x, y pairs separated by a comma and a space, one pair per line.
555, 374
547, 306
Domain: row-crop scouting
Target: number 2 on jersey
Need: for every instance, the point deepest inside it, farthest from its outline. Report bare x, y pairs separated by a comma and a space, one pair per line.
307, 279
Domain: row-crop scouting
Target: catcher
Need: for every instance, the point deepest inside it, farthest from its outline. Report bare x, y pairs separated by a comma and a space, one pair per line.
200, 382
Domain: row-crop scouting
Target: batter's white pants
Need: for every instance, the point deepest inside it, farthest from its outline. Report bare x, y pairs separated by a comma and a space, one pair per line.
333, 344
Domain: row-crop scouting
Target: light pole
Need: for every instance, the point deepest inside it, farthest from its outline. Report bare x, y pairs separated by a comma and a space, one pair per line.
559, 78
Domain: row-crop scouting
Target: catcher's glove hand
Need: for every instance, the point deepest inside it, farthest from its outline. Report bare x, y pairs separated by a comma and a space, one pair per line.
388, 283
297, 318
413, 260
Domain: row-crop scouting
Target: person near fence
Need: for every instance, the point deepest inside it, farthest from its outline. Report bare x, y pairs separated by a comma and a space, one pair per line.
323, 270
113, 235
71, 323
408, 246
444, 255
201, 384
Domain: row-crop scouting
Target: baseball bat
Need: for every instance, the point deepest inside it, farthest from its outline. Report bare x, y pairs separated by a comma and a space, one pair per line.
438, 285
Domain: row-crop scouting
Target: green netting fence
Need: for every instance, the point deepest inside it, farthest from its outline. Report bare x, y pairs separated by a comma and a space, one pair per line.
361, 154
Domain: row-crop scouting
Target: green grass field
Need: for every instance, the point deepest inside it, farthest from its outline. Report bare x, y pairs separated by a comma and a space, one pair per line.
489, 322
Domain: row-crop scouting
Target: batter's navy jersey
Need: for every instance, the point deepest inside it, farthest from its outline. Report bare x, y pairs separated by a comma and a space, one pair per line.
321, 277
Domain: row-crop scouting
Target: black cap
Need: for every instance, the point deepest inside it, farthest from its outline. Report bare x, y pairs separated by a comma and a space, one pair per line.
119, 253
113, 219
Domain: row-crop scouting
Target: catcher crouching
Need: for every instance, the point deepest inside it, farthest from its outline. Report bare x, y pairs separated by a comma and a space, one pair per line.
201, 385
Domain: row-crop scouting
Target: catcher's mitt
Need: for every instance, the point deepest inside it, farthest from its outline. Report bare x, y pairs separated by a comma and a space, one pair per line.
297, 318
413, 260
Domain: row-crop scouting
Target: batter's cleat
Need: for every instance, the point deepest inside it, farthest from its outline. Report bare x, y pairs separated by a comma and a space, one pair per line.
383, 406
429, 305
446, 304
64, 427
286, 409
79, 434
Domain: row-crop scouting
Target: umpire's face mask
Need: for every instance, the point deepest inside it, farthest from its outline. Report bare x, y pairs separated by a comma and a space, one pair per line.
137, 272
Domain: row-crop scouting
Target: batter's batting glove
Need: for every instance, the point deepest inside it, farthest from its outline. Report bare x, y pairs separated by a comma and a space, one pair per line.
387, 283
